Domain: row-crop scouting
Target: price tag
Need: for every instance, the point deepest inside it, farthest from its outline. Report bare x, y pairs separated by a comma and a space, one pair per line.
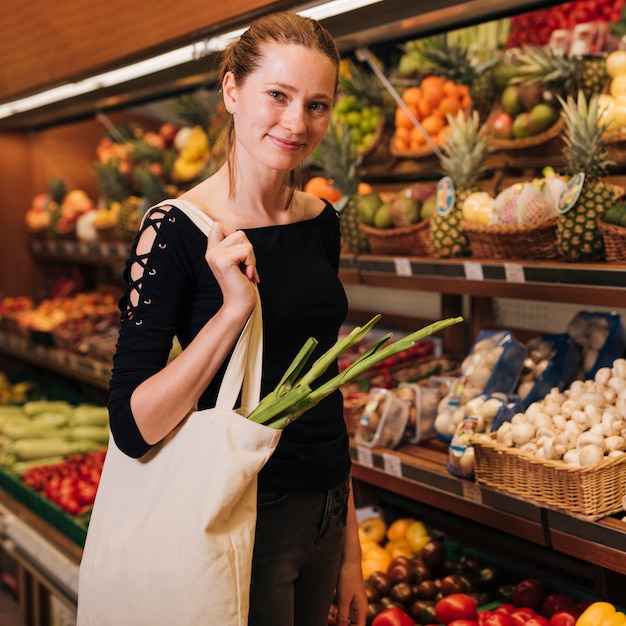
392, 464
364, 456
473, 270
403, 266
514, 273
472, 492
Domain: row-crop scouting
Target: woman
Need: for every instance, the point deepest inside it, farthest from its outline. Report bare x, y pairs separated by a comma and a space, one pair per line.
278, 84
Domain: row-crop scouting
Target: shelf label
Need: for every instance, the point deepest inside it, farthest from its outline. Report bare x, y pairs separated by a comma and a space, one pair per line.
403, 266
514, 273
473, 270
364, 456
471, 491
392, 464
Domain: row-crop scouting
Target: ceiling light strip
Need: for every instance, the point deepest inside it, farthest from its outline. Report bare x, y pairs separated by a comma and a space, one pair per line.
160, 62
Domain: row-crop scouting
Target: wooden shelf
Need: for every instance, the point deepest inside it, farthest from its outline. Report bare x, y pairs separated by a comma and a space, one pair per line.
80, 251
419, 473
74, 365
582, 283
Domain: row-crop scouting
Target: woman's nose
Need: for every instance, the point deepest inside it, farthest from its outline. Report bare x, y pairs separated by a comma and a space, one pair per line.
294, 119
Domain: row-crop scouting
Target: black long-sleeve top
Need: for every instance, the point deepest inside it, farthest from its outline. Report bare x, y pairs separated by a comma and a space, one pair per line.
301, 296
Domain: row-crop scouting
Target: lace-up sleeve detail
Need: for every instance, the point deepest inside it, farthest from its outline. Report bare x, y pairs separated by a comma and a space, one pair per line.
141, 263
169, 293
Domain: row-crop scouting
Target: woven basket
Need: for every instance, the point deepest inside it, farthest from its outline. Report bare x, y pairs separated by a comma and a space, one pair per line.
590, 492
614, 238
528, 142
524, 241
411, 240
353, 406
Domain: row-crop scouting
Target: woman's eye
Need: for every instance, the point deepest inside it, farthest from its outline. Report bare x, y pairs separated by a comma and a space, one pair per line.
320, 107
277, 95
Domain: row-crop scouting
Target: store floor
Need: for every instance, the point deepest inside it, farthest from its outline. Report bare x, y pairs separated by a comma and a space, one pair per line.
9, 609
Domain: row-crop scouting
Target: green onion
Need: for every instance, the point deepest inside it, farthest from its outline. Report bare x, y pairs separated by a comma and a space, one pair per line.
293, 396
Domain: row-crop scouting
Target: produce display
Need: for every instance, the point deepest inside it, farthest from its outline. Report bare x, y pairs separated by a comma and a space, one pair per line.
415, 578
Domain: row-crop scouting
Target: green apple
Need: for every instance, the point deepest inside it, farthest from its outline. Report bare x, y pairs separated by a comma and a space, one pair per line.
429, 206
382, 218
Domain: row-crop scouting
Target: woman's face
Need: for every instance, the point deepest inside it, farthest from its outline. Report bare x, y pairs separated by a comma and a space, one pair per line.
282, 109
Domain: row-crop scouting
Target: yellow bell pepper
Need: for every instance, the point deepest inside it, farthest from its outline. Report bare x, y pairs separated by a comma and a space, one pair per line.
601, 614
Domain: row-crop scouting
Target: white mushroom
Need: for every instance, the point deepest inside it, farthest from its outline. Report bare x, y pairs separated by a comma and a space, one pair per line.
504, 434
529, 448
572, 457
590, 455
559, 422
619, 368
603, 375
522, 433
615, 442
588, 438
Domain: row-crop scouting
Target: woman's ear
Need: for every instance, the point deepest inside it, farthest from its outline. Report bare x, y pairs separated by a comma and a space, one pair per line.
229, 92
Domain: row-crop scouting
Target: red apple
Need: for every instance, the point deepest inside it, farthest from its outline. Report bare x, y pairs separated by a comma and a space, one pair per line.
502, 126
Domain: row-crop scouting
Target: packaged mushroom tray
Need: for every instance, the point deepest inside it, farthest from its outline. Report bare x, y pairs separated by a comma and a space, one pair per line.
493, 366
567, 450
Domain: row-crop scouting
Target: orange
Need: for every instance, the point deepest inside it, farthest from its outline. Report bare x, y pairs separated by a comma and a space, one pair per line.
417, 535
323, 188
412, 95
450, 88
425, 108
364, 188
399, 144
432, 90
400, 547
433, 124
449, 105
416, 139
402, 119
397, 529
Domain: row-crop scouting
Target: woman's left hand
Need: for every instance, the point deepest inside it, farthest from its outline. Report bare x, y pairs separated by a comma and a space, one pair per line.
352, 602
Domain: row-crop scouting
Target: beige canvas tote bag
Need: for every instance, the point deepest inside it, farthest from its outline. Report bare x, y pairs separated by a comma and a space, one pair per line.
171, 535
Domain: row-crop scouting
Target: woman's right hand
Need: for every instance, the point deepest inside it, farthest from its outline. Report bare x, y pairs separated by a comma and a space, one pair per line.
231, 258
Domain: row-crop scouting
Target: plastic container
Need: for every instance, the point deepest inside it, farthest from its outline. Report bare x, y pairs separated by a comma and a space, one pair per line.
423, 400
383, 421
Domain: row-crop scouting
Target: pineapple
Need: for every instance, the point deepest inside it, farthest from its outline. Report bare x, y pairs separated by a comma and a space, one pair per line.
57, 190
462, 156
341, 164
129, 218
560, 74
578, 236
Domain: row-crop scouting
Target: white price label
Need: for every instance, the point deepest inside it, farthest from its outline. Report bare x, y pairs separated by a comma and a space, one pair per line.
514, 273
472, 492
403, 266
364, 456
473, 270
392, 464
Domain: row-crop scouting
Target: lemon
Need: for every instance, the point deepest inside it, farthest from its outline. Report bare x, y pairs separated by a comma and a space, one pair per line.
616, 63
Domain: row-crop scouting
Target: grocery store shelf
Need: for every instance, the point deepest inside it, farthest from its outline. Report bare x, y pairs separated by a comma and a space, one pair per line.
71, 364
581, 283
419, 474
112, 253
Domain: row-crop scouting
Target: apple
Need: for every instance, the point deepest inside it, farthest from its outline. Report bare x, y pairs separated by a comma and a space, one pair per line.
529, 592
502, 126
521, 126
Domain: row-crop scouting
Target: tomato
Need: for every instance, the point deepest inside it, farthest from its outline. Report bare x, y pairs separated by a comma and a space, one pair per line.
538, 620
499, 619
463, 622
392, 617
505, 607
556, 602
522, 615
566, 617
483, 616
456, 606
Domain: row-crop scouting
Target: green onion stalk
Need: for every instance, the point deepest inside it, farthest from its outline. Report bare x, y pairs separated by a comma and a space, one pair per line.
293, 395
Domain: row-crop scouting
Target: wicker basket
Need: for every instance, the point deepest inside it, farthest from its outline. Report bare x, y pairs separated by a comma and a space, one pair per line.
528, 142
353, 406
614, 238
590, 492
524, 241
411, 240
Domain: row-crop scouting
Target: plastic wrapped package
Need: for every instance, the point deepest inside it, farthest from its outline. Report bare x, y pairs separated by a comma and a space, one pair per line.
493, 365
383, 421
600, 339
552, 361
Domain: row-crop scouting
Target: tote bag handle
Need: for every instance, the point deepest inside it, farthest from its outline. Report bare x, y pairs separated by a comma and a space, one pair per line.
244, 368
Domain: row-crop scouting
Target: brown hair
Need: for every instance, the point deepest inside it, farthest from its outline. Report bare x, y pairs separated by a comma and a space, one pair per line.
242, 58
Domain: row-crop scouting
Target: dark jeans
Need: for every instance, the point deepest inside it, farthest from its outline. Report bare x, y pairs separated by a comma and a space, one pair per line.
297, 553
